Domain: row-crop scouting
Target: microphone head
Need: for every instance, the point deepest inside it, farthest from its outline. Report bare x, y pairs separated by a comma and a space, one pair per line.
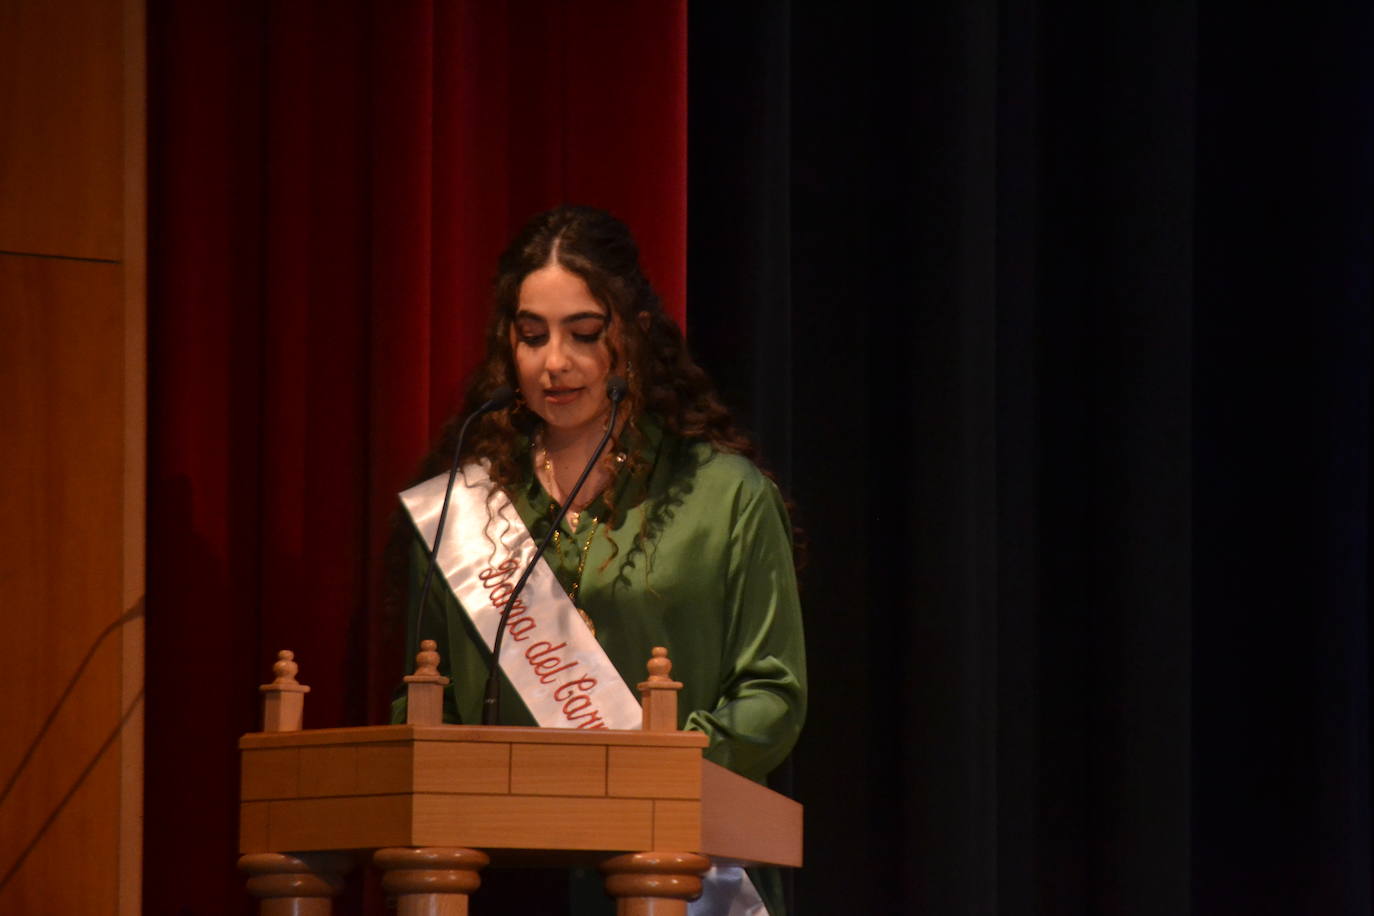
616, 389
500, 398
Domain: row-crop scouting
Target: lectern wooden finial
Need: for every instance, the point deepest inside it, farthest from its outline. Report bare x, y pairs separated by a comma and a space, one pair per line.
659, 665
427, 659
659, 694
283, 702
425, 688
285, 668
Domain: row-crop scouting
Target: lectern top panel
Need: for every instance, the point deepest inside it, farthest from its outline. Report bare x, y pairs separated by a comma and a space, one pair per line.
470, 733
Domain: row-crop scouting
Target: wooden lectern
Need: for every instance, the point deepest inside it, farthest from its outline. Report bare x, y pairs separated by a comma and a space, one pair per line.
437, 802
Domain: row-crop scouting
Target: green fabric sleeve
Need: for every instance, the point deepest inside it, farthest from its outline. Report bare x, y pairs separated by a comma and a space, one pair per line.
762, 702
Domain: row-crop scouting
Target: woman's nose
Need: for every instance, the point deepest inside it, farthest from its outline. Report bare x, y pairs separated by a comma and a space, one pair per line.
556, 357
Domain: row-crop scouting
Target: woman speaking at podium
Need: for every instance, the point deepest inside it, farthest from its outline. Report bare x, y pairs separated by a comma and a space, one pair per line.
675, 539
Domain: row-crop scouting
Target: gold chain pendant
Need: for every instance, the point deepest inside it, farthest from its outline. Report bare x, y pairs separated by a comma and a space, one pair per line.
581, 565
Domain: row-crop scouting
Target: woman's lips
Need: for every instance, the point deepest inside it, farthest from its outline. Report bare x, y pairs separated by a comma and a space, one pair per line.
561, 395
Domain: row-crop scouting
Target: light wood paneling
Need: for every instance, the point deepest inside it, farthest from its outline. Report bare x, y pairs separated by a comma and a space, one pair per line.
385, 768
64, 627
522, 822
355, 822
546, 789
323, 774
445, 767
134, 254
65, 411
72, 465
490, 821
274, 773
493, 734
60, 504
253, 821
741, 822
677, 825
641, 772
62, 173
72, 868
557, 770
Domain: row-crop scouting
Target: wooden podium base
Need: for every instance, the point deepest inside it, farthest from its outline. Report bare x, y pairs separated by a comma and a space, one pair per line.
430, 881
437, 881
654, 883
295, 885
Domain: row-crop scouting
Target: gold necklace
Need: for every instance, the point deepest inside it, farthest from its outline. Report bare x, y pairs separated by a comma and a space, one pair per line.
573, 517
581, 563
611, 463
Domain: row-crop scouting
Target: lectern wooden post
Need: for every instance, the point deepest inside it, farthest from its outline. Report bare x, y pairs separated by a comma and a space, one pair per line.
430, 881
437, 802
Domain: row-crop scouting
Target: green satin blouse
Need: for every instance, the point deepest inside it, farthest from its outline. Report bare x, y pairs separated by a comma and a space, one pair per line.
697, 557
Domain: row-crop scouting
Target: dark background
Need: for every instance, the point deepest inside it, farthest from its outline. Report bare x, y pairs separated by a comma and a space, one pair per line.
1056, 319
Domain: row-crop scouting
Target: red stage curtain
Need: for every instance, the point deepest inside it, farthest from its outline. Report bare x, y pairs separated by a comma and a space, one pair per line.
331, 184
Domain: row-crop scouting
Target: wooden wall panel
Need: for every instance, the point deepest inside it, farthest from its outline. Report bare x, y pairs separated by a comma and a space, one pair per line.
64, 393
134, 268
72, 871
62, 107
61, 569
72, 467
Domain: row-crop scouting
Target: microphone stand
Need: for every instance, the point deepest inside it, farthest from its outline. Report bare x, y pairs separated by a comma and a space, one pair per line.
500, 398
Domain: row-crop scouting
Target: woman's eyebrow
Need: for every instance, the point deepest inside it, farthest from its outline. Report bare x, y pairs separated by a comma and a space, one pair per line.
523, 315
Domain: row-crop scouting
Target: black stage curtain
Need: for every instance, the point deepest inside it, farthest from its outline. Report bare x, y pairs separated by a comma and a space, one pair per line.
1055, 319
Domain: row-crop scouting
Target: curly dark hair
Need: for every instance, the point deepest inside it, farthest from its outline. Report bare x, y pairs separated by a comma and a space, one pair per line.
646, 347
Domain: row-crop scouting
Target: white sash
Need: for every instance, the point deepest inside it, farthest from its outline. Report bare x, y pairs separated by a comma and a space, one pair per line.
550, 656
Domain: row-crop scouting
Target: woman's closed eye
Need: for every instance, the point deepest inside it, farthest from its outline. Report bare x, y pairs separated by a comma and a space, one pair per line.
588, 330
584, 329
531, 332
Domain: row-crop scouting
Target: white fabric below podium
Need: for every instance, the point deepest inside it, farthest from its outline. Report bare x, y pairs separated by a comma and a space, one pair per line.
727, 891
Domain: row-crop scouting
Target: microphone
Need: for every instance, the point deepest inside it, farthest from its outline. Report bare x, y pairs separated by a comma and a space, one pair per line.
491, 700
500, 398
616, 389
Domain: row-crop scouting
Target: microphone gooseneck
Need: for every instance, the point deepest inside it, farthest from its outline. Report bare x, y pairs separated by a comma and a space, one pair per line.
500, 398
491, 699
